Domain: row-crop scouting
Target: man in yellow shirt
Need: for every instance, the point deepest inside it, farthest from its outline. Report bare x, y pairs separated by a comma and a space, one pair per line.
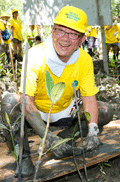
32, 34
16, 27
66, 62
93, 41
111, 39
4, 42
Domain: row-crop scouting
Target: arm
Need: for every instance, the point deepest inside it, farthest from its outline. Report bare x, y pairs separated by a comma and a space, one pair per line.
30, 38
33, 116
1, 39
90, 106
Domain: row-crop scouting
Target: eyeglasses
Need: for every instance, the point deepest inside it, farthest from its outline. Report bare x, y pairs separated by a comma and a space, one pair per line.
61, 32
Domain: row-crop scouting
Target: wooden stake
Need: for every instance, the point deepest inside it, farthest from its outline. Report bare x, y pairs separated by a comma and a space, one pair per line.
23, 112
11, 58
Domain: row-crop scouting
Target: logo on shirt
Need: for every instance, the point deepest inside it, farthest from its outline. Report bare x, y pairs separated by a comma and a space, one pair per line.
72, 16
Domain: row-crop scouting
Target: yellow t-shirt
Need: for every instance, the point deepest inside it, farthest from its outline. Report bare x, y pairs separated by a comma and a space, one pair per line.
87, 32
93, 32
37, 30
2, 28
17, 33
81, 70
110, 39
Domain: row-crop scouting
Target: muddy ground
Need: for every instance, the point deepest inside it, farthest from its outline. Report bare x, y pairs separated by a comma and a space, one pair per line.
109, 87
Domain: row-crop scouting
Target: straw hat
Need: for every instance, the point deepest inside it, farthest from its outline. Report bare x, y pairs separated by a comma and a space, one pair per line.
4, 15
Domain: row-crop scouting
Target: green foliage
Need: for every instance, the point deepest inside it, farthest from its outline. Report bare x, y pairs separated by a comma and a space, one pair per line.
102, 165
48, 30
16, 147
114, 69
2, 126
115, 4
2, 58
59, 143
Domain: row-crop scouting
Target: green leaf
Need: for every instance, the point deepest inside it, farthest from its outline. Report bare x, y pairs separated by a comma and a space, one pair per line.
2, 126
77, 134
7, 119
88, 116
107, 164
1, 66
57, 92
49, 82
59, 143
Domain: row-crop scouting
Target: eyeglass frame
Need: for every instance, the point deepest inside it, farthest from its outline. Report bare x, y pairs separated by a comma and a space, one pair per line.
81, 34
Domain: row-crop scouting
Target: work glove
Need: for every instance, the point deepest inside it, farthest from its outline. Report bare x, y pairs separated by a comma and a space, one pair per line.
115, 33
92, 140
2, 42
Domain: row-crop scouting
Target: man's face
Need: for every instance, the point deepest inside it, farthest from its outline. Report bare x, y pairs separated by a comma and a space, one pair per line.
65, 41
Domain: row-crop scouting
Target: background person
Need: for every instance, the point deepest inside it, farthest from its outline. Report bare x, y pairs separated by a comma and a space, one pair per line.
93, 41
61, 56
4, 42
111, 39
118, 37
38, 40
16, 28
32, 36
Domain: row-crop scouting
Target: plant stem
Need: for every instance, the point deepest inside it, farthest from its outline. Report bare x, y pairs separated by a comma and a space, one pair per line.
81, 134
43, 144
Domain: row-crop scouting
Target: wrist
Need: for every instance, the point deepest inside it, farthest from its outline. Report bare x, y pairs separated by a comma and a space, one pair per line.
93, 129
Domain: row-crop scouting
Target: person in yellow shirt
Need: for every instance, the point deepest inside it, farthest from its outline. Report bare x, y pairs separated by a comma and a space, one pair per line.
66, 62
93, 41
16, 27
111, 39
118, 37
4, 40
31, 35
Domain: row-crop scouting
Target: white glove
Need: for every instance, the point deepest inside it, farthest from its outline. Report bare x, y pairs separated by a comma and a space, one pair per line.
115, 33
2, 42
92, 141
114, 23
88, 30
92, 27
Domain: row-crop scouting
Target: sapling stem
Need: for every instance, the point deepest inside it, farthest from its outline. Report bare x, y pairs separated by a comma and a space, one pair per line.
74, 84
43, 144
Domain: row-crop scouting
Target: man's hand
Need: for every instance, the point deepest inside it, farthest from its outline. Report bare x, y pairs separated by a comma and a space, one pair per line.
92, 141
